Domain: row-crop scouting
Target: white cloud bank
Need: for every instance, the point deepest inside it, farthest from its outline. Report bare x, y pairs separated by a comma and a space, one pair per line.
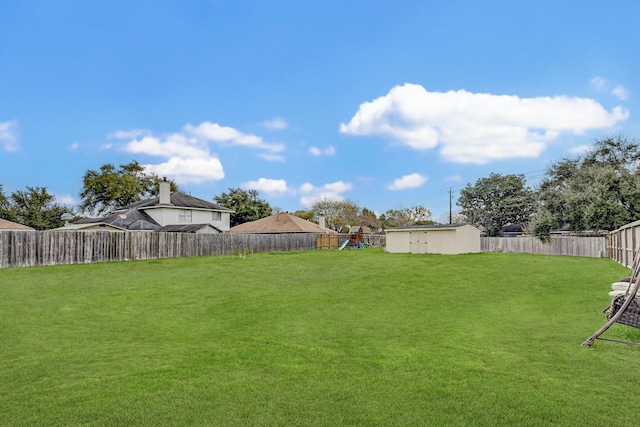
330, 191
9, 136
267, 185
476, 127
187, 154
277, 123
414, 180
67, 200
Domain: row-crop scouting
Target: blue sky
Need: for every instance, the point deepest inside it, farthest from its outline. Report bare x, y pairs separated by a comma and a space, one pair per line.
388, 104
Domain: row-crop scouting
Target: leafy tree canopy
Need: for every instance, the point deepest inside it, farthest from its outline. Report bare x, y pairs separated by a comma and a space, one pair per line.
338, 214
247, 204
36, 208
301, 213
111, 187
497, 201
341, 214
402, 216
598, 191
6, 211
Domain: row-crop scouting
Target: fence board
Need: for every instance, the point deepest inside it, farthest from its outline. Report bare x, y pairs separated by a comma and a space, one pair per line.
622, 244
31, 248
559, 245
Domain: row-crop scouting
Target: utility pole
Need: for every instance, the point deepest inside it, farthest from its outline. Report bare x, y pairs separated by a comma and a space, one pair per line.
450, 207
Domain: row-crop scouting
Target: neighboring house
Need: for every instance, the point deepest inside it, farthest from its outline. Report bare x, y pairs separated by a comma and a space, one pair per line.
190, 228
433, 239
512, 230
92, 224
13, 226
175, 212
281, 223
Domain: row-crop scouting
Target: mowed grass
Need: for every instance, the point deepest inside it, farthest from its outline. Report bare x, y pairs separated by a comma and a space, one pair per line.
325, 338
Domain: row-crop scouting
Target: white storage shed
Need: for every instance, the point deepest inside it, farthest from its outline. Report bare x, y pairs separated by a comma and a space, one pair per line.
433, 239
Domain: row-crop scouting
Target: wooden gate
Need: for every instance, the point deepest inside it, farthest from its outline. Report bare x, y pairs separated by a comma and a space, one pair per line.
327, 241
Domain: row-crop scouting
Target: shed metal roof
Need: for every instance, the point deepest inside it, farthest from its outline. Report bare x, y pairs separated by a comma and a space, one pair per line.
428, 227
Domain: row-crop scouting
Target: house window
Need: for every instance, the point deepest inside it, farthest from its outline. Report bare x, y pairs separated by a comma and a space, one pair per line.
216, 216
185, 215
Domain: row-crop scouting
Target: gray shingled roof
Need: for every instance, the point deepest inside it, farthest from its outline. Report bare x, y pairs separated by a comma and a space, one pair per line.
186, 228
130, 219
178, 199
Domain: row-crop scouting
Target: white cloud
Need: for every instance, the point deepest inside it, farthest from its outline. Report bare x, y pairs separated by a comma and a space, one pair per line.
173, 146
306, 188
9, 136
129, 134
620, 92
603, 85
308, 201
267, 185
580, 149
453, 178
66, 200
186, 171
270, 157
73, 147
277, 123
329, 151
338, 187
208, 131
413, 180
476, 127
188, 152
331, 191
599, 83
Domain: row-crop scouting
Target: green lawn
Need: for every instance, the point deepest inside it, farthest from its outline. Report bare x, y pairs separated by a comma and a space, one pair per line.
325, 338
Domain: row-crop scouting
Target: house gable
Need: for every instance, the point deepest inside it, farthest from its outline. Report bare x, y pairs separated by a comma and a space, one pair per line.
10, 225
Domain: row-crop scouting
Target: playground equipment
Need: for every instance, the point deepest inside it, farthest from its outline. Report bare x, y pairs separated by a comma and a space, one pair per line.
356, 245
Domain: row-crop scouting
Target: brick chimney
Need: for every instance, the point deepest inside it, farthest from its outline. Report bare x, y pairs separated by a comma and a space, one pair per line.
321, 222
165, 192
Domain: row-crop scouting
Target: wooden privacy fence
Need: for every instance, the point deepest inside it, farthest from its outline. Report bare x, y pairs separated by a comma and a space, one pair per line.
31, 248
559, 245
622, 244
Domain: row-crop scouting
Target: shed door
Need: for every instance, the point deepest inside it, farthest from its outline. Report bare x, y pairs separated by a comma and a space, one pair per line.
418, 242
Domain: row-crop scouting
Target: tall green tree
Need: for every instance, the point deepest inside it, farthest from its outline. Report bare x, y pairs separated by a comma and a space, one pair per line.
304, 214
597, 191
247, 204
368, 218
403, 216
36, 208
496, 201
111, 187
6, 210
339, 214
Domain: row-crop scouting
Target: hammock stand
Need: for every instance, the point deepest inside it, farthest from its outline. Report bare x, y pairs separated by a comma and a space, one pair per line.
624, 308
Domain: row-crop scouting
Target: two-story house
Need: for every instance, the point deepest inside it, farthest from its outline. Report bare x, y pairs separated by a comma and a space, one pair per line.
171, 211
